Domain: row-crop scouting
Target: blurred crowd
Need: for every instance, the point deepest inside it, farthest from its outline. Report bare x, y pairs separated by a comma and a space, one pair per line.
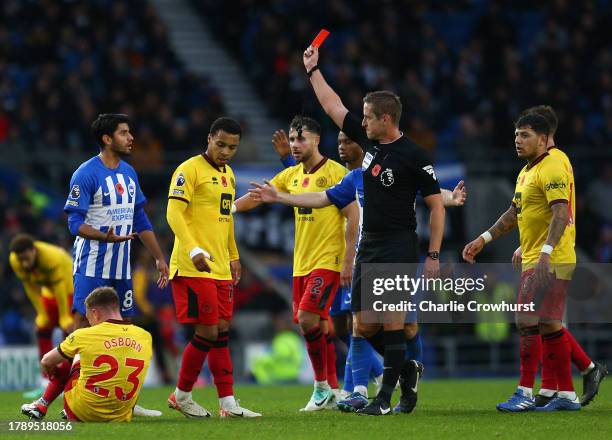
462, 68
63, 62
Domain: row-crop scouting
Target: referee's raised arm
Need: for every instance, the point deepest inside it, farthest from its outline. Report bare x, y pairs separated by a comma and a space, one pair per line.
329, 100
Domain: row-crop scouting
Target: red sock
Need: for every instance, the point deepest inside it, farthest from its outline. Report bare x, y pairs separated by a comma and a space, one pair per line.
579, 358
530, 352
45, 344
220, 364
317, 352
549, 380
57, 382
332, 377
194, 356
557, 349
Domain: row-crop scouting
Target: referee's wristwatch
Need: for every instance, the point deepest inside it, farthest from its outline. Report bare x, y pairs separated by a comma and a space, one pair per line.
434, 255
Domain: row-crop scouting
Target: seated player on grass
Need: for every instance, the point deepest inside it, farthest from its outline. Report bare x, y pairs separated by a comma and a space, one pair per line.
105, 383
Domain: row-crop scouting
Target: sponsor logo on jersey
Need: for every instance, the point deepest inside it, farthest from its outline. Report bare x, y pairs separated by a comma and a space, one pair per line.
387, 178
226, 204
178, 192
555, 185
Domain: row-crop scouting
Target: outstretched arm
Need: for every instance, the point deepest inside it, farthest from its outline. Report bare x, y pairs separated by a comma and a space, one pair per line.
329, 100
267, 193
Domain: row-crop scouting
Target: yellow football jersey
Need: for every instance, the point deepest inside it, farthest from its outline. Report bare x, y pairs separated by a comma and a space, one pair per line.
319, 233
209, 192
115, 357
51, 277
538, 186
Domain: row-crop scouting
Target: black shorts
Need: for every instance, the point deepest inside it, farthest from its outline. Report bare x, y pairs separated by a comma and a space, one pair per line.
382, 247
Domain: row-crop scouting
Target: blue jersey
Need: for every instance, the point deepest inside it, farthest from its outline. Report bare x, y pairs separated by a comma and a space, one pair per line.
105, 198
350, 188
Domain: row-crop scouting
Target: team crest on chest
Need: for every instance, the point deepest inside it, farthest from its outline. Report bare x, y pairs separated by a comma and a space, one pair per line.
131, 189
387, 178
305, 182
321, 182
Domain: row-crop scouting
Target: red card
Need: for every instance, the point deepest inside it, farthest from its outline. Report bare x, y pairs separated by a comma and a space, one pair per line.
320, 38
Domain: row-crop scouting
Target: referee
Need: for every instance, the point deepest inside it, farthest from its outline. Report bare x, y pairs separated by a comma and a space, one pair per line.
394, 170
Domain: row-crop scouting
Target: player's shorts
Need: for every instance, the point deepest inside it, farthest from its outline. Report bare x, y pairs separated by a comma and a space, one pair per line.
83, 285
342, 302
549, 303
315, 292
381, 247
202, 300
50, 306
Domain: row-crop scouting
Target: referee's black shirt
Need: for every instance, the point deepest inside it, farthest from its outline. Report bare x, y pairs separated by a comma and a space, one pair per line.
392, 175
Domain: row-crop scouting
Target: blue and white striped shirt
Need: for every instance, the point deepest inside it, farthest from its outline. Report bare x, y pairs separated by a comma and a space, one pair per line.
106, 198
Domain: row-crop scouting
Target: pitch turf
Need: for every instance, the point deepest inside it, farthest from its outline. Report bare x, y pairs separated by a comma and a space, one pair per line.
463, 409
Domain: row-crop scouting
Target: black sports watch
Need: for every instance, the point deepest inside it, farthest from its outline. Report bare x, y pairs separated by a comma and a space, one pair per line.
434, 255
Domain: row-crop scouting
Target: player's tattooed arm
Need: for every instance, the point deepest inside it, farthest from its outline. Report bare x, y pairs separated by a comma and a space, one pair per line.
560, 219
506, 223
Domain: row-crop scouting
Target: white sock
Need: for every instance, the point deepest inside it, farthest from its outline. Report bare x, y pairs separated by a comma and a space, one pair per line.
227, 402
182, 395
361, 389
546, 393
588, 369
527, 392
322, 385
571, 395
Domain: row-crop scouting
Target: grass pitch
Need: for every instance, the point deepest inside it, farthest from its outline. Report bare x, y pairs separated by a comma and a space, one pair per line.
457, 409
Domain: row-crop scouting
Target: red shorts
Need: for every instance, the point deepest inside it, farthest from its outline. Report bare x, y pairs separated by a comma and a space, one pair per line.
549, 303
202, 300
50, 305
315, 292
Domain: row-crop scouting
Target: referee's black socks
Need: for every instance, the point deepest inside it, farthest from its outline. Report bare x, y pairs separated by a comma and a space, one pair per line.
377, 341
395, 348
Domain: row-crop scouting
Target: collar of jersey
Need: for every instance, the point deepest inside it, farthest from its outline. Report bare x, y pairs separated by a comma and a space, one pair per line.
317, 166
116, 321
537, 161
212, 164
